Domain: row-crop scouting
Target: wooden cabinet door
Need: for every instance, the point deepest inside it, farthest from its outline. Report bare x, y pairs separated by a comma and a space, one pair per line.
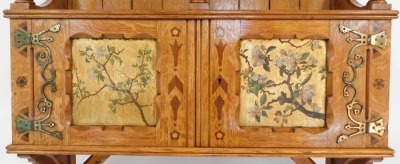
106, 82
294, 84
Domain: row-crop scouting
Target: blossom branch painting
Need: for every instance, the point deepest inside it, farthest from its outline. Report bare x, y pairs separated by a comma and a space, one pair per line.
283, 83
113, 82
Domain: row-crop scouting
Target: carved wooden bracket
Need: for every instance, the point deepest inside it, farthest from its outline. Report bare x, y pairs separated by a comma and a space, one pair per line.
50, 159
303, 160
96, 159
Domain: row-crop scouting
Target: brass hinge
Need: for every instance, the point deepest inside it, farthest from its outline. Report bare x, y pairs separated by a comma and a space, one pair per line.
376, 127
354, 106
44, 60
22, 38
378, 40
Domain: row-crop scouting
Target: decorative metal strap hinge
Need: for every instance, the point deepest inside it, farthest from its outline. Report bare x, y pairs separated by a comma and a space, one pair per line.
43, 59
355, 61
378, 40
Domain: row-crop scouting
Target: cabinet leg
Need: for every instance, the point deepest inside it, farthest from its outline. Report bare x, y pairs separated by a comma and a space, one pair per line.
97, 159
353, 160
49, 159
303, 161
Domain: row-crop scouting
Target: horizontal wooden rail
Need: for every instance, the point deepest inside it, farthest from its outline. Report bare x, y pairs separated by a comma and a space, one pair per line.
164, 151
187, 14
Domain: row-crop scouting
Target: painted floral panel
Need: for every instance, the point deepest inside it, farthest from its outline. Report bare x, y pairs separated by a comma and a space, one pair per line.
114, 82
283, 83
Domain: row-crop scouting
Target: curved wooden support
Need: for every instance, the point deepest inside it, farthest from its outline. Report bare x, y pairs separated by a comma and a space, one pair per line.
348, 5
50, 159
353, 160
30, 4
355, 5
303, 160
53, 4
96, 159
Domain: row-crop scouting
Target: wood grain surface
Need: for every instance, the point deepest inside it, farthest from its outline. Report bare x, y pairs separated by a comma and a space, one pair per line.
196, 88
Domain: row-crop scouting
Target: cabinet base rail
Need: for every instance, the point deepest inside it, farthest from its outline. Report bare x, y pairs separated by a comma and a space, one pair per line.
100, 159
180, 151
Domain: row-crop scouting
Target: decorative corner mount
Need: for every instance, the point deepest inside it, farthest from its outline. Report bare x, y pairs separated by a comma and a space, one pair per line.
355, 61
378, 40
43, 59
376, 127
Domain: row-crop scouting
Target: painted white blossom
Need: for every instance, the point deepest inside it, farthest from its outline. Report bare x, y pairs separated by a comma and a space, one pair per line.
298, 56
111, 87
286, 59
316, 108
259, 78
254, 112
101, 52
91, 74
279, 61
307, 92
256, 56
315, 45
314, 60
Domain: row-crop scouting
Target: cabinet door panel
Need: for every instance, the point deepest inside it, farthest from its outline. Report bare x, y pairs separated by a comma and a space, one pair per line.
298, 101
132, 82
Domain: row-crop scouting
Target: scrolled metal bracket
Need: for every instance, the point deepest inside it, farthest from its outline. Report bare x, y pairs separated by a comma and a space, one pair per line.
355, 61
43, 59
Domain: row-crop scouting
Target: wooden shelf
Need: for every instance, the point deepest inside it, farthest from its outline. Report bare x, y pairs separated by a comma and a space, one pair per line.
191, 14
224, 152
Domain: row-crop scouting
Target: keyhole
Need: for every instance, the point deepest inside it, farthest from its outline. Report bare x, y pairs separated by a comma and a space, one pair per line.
219, 81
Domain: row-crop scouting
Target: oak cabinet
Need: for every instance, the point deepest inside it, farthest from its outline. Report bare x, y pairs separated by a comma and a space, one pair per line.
268, 77
104, 78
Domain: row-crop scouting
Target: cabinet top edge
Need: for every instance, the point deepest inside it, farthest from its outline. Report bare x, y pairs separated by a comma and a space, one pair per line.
191, 14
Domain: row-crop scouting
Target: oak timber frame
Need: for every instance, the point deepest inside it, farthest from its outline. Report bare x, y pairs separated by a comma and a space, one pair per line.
194, 128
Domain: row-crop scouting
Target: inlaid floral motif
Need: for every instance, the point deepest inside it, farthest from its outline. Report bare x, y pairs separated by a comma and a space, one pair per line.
21, 81
114, 82
283, 83
379, 84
